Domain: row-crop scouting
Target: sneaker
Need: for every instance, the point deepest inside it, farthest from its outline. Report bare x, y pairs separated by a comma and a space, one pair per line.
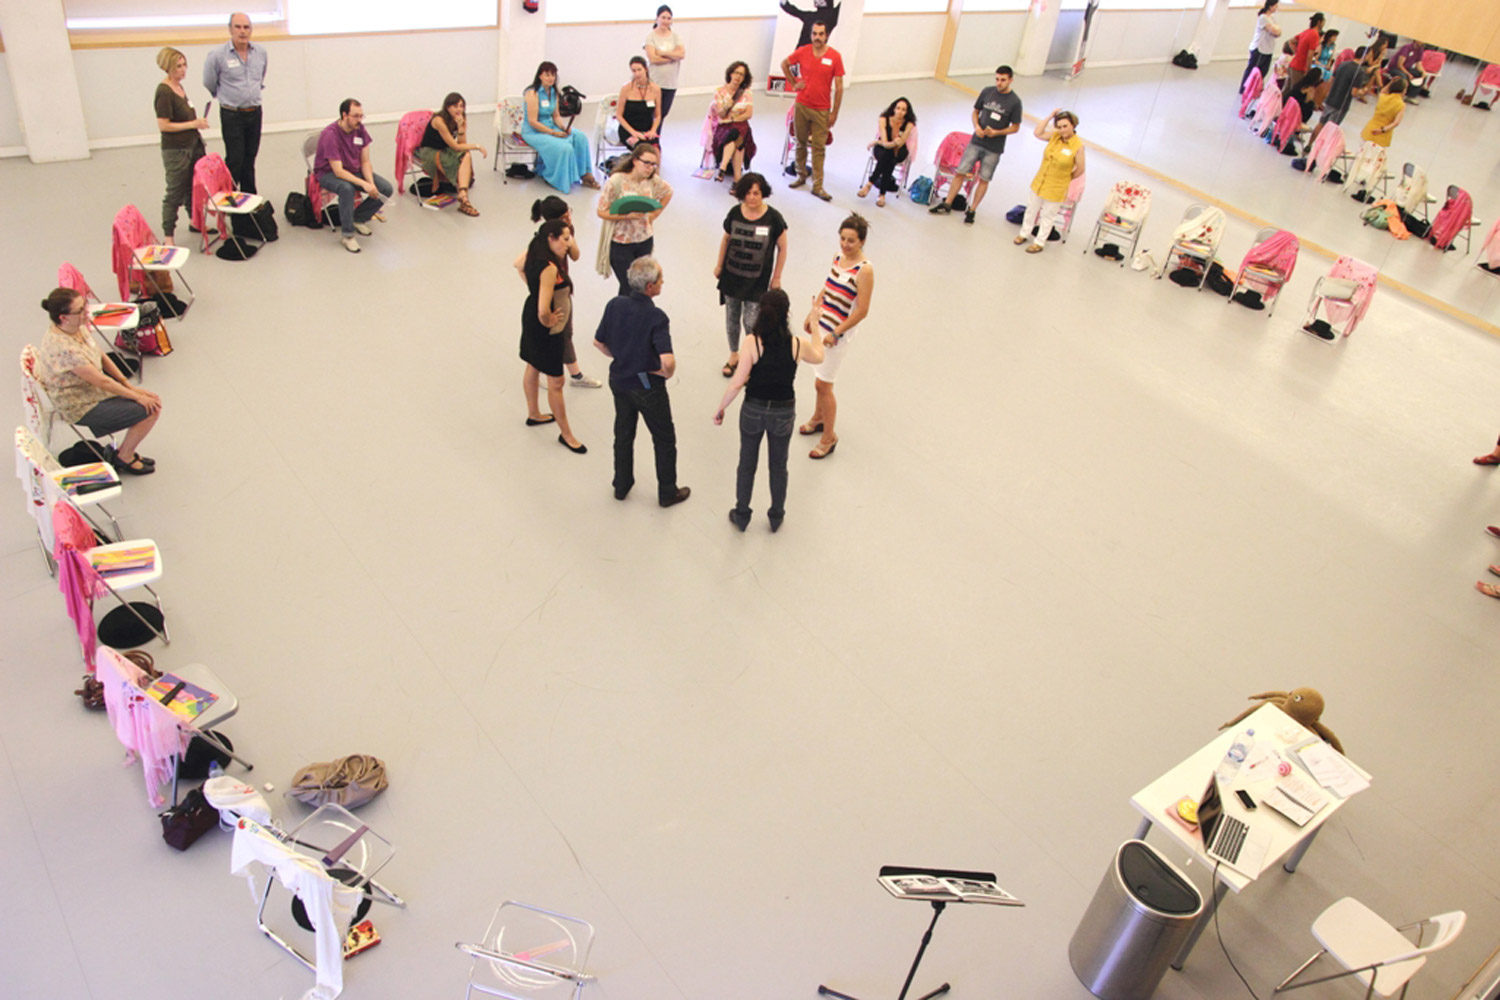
820, 193
969, 217
801, 180
682, 494
362, 229
350, 244
582, 381
941, 208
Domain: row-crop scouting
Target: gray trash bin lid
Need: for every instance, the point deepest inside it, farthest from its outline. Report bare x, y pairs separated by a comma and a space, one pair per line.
1154, 884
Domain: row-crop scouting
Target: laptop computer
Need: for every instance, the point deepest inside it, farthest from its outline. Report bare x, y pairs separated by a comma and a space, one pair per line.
1240, 845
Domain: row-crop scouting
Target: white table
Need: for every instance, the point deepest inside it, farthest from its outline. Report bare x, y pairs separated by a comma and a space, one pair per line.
1273, 729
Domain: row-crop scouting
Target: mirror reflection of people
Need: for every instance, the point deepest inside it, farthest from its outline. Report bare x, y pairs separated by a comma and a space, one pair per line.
87, 388
1389, 110
181, 143
1263, 45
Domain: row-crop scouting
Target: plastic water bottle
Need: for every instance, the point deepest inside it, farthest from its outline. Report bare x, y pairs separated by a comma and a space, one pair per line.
215, 769
1234, 757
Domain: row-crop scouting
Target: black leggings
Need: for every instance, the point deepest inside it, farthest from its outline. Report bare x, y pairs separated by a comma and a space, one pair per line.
1257, 59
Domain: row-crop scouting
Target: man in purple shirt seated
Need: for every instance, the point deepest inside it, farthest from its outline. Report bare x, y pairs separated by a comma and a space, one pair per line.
343, 167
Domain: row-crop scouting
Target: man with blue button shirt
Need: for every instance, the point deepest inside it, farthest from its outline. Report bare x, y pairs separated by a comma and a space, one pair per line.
234, 75
637, 336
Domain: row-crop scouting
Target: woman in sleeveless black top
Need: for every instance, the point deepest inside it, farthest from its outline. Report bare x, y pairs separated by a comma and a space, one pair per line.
639, 111
767, 369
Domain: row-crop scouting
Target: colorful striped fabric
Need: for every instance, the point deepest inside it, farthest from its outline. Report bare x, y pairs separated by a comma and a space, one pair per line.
840, 289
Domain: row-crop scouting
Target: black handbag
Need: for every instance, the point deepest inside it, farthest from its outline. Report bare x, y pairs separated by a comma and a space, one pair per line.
570, 102
190, 819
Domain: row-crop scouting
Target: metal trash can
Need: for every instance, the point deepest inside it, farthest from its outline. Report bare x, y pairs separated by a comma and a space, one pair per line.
1143, 912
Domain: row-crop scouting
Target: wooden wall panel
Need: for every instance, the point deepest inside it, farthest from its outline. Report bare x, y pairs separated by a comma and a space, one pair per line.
1471, 27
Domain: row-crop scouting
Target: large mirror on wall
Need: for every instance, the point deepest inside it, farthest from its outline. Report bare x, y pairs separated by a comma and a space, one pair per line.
1185, 124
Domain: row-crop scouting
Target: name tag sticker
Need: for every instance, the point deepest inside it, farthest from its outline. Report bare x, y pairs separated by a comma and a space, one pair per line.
762, 230
358, 141
828, 60
650, 104
233, 63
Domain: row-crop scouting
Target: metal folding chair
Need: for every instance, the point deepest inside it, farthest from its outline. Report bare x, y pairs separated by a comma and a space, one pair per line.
509, 146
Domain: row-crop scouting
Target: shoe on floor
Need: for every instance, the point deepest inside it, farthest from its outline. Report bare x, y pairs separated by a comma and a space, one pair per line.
582, 381
820, 193
350, 243
135, 467
941, 208
969, 217
741, 521
582, 449
362, 229
1494, 530
801, 180
682, 494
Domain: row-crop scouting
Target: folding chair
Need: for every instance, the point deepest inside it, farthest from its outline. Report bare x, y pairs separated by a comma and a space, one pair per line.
101, 315
509, 145
409, 132
1267, 266
117, 568
945, 167
1370, 949
43, 479
1486, 87
40, 413
320, 197
213, 191
1455, 219
603, 144
528, 952
1195, 242
1122, 219
1433, 61
136, 251
789, 143
1344, 294
902, 173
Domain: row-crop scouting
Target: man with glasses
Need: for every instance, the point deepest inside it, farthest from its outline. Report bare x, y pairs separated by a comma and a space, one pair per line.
342, 165
637, 337
235, 74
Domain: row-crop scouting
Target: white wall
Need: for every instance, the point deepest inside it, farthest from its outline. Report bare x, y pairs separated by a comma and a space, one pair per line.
1120, 38
985, 41
11, 138
898, 45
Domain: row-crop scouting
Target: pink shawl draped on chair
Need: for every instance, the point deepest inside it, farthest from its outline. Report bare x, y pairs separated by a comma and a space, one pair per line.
210, 177
1456, 214
1288, 124
1278, 253
1363, 275
146, 731
1251, 90
408, 137
1266, 108
129, 231
73, 538
1490, 249
1326, 150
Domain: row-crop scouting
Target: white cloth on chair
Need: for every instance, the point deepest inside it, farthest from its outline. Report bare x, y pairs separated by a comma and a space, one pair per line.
330, 904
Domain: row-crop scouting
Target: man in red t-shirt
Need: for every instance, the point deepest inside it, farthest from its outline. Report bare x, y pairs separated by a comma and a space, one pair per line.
817, 75
1306, 46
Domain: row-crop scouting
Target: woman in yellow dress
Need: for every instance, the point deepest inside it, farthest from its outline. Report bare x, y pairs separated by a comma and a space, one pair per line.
1389, 110
1062, 161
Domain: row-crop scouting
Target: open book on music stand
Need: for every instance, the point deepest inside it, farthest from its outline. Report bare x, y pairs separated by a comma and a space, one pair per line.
938, 886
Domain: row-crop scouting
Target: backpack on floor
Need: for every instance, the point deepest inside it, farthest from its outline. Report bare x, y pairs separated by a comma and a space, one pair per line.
299, 211
920, 191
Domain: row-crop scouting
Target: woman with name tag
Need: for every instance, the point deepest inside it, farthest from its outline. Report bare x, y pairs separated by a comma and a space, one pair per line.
181, 145
562, 154
838, 309
640, 106
86, 387
752, 253
546, 317
665, 51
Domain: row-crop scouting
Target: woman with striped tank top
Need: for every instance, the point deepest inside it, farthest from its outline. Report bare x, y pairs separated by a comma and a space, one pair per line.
839, 307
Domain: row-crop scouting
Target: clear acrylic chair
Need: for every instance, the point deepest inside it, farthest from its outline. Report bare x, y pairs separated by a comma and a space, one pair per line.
529, 953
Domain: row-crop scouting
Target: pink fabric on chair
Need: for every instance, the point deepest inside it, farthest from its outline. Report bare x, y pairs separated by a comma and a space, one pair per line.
1364, 276
1490, 75
1343, 57
1251, 90
408, 138
1490, 249
1075, 188
1433, 61
1266, 108
69, 276
1456, 214
1288, 124
1326, 150
210, 177
1278, 252
129, 231
147, 731
75, 574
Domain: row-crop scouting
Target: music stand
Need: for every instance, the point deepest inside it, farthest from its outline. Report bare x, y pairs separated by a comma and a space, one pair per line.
939, 901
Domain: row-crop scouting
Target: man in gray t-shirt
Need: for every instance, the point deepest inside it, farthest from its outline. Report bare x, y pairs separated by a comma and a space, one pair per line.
996, 114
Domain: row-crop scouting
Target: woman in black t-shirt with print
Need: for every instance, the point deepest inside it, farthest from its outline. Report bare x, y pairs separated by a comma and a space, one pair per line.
751, 256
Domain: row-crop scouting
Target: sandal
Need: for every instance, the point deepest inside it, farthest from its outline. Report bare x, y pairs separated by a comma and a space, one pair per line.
1035, 248
589, 181
880, 202
811, 428
729, 366
863, 191
464, 206
822, 452
1487, 460
1488, 590
1019, 240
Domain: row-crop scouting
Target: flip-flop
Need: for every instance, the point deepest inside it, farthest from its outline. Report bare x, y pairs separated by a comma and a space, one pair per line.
1494, 570
825, 452
728, 370
1487, 460
1035, 248
1488, 590
549, 418
810, 428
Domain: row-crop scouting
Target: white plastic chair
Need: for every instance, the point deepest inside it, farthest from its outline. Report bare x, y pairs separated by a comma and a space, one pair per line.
509, 146
1370, 949
46, 479
1195, 253
529, 953
606, 140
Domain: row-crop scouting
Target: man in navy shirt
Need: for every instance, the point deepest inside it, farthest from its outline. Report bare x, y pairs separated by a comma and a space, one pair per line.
638, 337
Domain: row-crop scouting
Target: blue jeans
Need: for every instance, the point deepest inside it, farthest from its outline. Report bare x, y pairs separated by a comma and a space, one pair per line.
774, 419
653, 406
348, 213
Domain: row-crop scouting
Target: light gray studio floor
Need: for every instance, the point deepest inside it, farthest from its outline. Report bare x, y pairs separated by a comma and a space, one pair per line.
1075, 518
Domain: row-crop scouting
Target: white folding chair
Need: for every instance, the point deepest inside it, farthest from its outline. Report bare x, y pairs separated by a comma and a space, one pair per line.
529, 953
1370, 949
606, 140
1196, 254
509, 146
325, 199
122, 567
44, 479
41, 414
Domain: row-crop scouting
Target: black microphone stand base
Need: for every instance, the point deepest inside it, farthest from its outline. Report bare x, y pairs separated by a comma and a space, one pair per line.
937, 911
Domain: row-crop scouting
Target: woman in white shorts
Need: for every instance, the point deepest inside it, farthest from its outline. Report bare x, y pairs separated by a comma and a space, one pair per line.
838, 308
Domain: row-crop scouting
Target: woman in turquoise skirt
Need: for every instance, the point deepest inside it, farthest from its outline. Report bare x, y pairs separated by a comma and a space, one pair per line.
562, 154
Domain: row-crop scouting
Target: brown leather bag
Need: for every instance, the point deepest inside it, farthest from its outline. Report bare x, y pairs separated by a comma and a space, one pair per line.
348, 781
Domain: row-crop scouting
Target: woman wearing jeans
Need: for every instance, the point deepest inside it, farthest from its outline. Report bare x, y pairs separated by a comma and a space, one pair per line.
767, 368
